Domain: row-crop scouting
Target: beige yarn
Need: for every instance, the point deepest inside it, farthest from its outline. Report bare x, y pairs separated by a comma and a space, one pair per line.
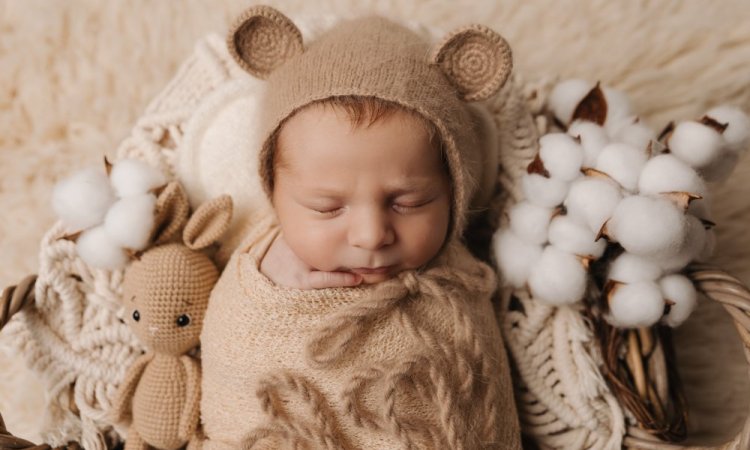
409, 363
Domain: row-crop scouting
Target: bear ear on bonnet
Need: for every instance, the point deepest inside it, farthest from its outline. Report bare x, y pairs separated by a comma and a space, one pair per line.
477, 60
263, 39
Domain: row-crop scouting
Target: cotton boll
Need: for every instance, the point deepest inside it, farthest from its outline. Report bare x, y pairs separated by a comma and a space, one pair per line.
689, 249
667, 173
630, 268
592, 201
130, 221
593, 139
635, 133
679, 290
737, 133
82, 200
562, 156
514, 256
623, 163
542, 191
618, 104
133, 177
98, 249
635, 305
530, 222
696, 144
708, 247
647, 226
566, 96
558, 278
570, 236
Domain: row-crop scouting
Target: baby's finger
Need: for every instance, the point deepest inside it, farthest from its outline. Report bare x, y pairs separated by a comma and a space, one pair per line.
322, 280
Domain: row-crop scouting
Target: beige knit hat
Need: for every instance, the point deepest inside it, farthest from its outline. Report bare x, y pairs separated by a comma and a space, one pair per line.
375, 57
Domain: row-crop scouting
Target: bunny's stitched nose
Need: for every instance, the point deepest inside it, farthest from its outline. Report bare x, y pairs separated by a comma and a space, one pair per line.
153, 330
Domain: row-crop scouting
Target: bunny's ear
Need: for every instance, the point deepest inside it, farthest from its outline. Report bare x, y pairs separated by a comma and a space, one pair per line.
208, 223
262, 40
172, 210
476, 59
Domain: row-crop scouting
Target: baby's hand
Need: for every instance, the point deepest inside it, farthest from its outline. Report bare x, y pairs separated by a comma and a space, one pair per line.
284, 268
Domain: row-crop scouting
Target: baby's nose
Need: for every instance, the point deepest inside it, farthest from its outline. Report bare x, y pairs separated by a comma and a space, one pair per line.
370, 229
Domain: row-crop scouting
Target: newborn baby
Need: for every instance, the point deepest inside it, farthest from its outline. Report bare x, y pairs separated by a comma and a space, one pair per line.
354, 317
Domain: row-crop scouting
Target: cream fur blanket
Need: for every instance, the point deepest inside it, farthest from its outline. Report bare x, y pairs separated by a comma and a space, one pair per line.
75, 76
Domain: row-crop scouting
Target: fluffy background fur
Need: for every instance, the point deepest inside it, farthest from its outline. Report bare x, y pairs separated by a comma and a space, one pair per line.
75, 75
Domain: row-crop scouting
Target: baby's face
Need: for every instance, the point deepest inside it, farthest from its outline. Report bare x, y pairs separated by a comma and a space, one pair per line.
374, 200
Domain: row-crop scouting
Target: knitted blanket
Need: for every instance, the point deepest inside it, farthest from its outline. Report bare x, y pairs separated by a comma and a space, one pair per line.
413, 362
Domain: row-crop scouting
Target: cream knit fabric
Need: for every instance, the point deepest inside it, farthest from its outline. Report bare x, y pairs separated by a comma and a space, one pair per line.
414, 362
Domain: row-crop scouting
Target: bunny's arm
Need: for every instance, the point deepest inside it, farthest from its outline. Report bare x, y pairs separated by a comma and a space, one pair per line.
122, 401
191, 414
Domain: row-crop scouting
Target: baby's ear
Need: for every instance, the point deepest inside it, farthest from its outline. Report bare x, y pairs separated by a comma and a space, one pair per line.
476, 60
263, 39
208, 223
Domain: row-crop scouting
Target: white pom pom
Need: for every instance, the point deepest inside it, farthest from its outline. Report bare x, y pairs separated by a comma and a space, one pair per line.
567, 234
689, 250
630, 268
593, 139
130, 221
635, 305
542, 191
592, 201
623, 163
647, 226
530, 222
633, 132
566, 96
558, 278
696, 144
667, 173
82, 200
133, 177
678, 290
98, 249
514, 257
562, 156
618, 105
737, 134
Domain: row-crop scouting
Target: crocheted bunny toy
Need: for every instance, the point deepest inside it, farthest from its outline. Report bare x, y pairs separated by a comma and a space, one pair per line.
166, 293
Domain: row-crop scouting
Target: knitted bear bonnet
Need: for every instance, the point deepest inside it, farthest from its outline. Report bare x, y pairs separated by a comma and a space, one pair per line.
375, 57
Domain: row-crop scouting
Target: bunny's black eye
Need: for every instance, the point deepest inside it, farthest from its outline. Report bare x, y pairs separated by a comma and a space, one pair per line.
183, 320
136, 315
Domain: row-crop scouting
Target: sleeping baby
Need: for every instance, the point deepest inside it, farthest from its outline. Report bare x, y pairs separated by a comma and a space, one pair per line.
353, 316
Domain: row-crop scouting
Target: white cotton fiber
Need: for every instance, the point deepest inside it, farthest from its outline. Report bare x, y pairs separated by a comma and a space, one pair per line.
633, 132
130, 221
721, 167
737, 133
592, 201
593, 139
647, 226
689, 250
623, 163
679, 290
82, 200
542, 191
696, 144
134, 177
530, 222
618, 105
558, 278
566, 96
514, 257
667, 173
708, 247
98, 249
630, 268
635, 305
571, 236
562, 156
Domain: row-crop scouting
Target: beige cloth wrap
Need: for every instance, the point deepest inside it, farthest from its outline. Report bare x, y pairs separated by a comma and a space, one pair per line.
414, 362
